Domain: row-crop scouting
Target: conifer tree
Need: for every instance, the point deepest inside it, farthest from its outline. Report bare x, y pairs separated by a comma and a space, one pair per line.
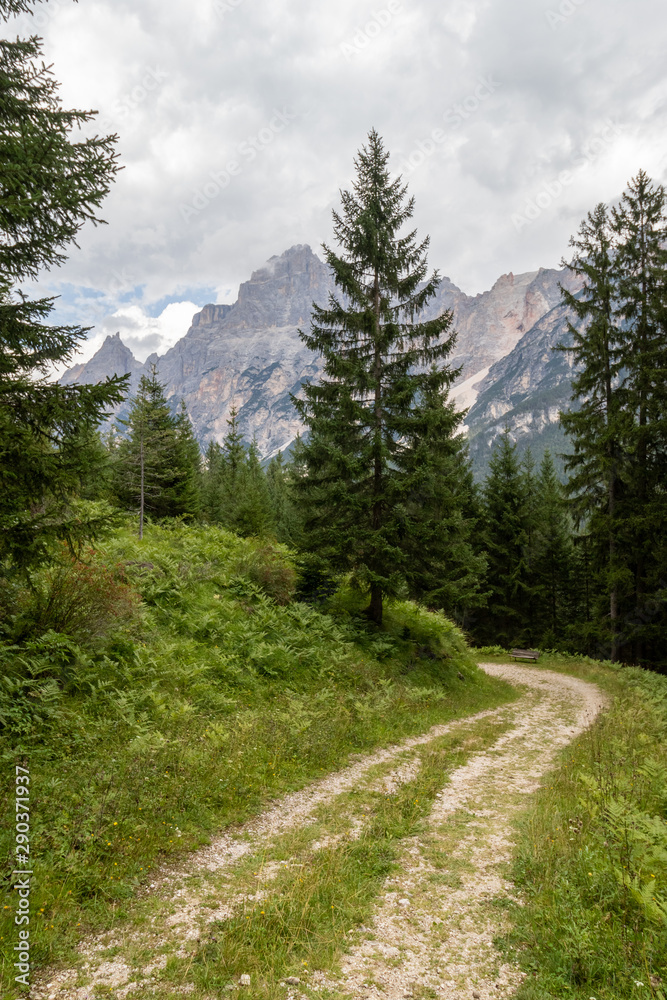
153, 475
252, 514
553, 556
50, 186
599, 425
211, 482
443, 570
284, 515
187, 459
228, 472
506, 515
378, 364
640, 228
236, 490
532, 514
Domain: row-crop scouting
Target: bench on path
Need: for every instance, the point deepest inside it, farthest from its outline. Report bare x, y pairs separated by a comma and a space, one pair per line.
525, 654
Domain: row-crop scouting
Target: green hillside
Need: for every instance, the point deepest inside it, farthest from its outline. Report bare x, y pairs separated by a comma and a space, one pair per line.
170, 688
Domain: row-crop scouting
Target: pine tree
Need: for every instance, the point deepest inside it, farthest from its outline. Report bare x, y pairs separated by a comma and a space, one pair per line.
378, 364
152, 474
284, 515
211, 482
599, 426
229, 472
252, 514
236, 491
553, 556
443, 570
532, 514
507, 618
640, 228
49, 187
187, 459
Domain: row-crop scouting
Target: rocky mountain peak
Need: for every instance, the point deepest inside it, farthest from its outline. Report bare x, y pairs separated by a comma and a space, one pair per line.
112, 358
281, 292
249, 354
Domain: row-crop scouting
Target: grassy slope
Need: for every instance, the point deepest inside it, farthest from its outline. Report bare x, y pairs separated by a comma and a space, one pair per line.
591, 861
142, 744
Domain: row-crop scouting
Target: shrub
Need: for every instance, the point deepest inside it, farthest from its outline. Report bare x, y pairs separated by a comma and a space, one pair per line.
268, 567
74, 598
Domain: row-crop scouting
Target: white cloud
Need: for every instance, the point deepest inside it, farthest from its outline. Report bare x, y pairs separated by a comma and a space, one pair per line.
142, 333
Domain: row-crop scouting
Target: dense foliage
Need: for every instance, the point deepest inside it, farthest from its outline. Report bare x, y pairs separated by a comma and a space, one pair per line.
156, 467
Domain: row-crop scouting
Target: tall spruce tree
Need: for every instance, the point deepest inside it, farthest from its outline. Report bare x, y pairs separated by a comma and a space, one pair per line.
284, 515
553, 556
154, 473
443, 570
379, 364
237, 495
50, 186
506, 523
252, 515
599, 426
211, 479
640, 228
187, 458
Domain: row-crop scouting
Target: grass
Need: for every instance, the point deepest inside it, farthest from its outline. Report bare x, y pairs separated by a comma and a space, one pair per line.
591, 861
211, 697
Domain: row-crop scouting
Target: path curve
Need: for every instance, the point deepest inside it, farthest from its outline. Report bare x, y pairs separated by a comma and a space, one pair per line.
444, 940
420, 937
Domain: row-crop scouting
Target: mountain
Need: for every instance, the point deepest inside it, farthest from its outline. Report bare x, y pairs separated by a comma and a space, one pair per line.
250, 355
113, 358
525, 390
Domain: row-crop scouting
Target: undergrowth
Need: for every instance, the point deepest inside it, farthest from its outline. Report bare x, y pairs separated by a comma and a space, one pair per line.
210, 694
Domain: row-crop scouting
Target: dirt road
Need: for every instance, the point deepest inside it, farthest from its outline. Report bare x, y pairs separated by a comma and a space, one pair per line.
434, 922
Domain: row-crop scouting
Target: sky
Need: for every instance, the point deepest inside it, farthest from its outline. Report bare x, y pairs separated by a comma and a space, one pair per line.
239, 120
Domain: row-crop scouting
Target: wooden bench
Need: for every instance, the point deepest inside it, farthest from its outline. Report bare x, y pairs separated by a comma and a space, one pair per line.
525, 654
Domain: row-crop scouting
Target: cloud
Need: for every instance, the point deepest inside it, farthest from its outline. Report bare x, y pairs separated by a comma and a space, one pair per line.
192, 88
142, 333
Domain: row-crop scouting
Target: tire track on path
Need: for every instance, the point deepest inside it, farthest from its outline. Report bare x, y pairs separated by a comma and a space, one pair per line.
425, 940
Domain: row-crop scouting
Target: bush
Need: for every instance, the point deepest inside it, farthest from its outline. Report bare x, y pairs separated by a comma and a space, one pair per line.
490, 651
268, 567
75, 598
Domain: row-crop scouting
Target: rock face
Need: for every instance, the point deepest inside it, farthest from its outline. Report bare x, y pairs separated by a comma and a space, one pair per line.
526, 390
250, 355
113, 358
490, 324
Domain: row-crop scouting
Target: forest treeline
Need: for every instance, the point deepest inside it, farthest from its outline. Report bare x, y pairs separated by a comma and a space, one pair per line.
379, 491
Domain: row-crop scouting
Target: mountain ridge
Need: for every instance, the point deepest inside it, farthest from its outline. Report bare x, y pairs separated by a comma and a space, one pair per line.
249, 354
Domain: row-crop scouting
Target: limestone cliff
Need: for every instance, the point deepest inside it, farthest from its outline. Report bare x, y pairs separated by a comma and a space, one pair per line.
250, 355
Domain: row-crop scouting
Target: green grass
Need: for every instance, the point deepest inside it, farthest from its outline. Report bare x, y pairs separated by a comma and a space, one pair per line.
148, 736
592, 856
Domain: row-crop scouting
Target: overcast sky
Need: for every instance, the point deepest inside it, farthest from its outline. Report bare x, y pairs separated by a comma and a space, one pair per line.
239, 121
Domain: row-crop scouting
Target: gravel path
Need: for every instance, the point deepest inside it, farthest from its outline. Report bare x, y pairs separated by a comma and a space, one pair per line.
425, 934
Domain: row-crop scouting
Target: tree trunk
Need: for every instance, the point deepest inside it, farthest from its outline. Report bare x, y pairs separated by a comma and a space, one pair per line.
375, 607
